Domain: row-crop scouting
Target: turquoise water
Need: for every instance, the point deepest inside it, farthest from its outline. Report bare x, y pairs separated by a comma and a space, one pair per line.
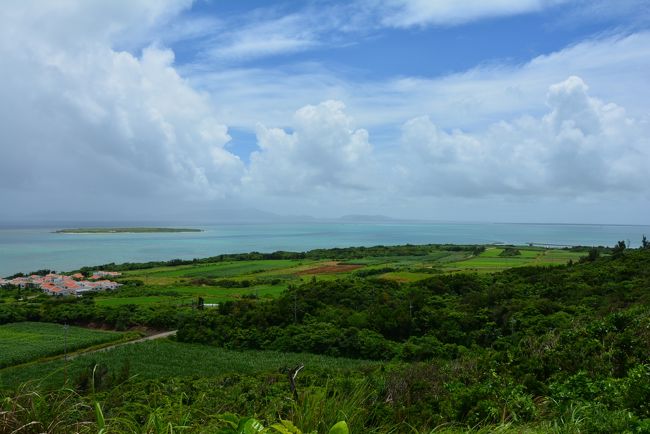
28, 249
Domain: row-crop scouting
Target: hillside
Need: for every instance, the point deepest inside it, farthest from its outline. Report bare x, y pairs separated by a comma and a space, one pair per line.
562, 348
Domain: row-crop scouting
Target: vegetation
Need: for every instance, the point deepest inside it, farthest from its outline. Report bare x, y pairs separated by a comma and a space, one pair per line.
231, 277
543, 341
25, 341
161, 359
510, 251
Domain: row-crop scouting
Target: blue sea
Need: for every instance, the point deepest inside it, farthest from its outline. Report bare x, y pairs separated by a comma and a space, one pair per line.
28, 249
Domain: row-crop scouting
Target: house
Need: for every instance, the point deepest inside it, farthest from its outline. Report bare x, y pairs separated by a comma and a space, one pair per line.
57, 284
100, 274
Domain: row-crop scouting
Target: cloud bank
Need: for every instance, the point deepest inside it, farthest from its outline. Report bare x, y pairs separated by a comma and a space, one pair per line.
87, 123
98, 120
582, 146
323, 152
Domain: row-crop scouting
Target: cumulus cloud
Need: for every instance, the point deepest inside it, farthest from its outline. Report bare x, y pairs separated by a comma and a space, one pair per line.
75, 23
95, 113
614, 66
324, 150
581, 146
94, 123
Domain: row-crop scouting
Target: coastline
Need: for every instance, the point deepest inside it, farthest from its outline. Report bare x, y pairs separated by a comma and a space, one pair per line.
25, 250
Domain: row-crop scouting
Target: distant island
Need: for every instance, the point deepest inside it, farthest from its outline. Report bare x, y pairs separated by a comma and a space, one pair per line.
123, 230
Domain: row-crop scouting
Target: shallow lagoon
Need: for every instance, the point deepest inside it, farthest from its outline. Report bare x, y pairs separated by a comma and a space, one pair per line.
28, 249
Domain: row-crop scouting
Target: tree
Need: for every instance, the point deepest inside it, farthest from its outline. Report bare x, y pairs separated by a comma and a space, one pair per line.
594, 254
619, 248
645, 244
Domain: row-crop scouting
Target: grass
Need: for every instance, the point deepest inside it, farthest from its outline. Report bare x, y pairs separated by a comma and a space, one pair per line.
148, 300
405, 276
175, 284
26, 341
217, 270
490, 261
175, 295
165, 358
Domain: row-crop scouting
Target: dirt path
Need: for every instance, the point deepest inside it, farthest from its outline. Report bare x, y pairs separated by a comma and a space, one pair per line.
119, 344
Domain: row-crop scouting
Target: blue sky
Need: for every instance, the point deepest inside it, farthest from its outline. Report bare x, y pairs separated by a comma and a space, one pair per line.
529, 110
368, 54
414, 51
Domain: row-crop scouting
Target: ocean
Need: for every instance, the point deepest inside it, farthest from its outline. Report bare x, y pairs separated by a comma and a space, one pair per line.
29, 249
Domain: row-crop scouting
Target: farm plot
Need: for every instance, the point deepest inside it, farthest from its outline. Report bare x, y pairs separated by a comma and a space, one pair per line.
218, 282
218, 270
26, 341
492, 260
165, 358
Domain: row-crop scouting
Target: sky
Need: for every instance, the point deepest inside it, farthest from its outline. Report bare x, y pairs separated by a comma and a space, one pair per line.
451, 110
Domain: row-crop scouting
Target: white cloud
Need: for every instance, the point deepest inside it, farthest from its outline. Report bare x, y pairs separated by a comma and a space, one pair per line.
615, 67
324, 151
285, 34
581, 147
409, 13
85, 123
75, 23
269, 31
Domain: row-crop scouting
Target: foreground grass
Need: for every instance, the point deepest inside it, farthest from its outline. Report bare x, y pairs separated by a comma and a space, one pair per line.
166, 358
22, 342
210, 406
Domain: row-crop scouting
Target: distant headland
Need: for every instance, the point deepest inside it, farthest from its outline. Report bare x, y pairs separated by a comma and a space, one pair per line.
123, 230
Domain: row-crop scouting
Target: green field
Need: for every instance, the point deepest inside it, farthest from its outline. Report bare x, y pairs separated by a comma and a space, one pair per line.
546, 348
26, 341
189, 294
165, 358
490, 261
268, 278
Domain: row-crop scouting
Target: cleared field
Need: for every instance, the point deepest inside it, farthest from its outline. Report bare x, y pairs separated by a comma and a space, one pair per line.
268, 278
165, 358
525, 252
218, 270
491, 261
26, 341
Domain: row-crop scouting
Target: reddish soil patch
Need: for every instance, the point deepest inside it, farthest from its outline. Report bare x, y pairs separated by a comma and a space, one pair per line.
330, 268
